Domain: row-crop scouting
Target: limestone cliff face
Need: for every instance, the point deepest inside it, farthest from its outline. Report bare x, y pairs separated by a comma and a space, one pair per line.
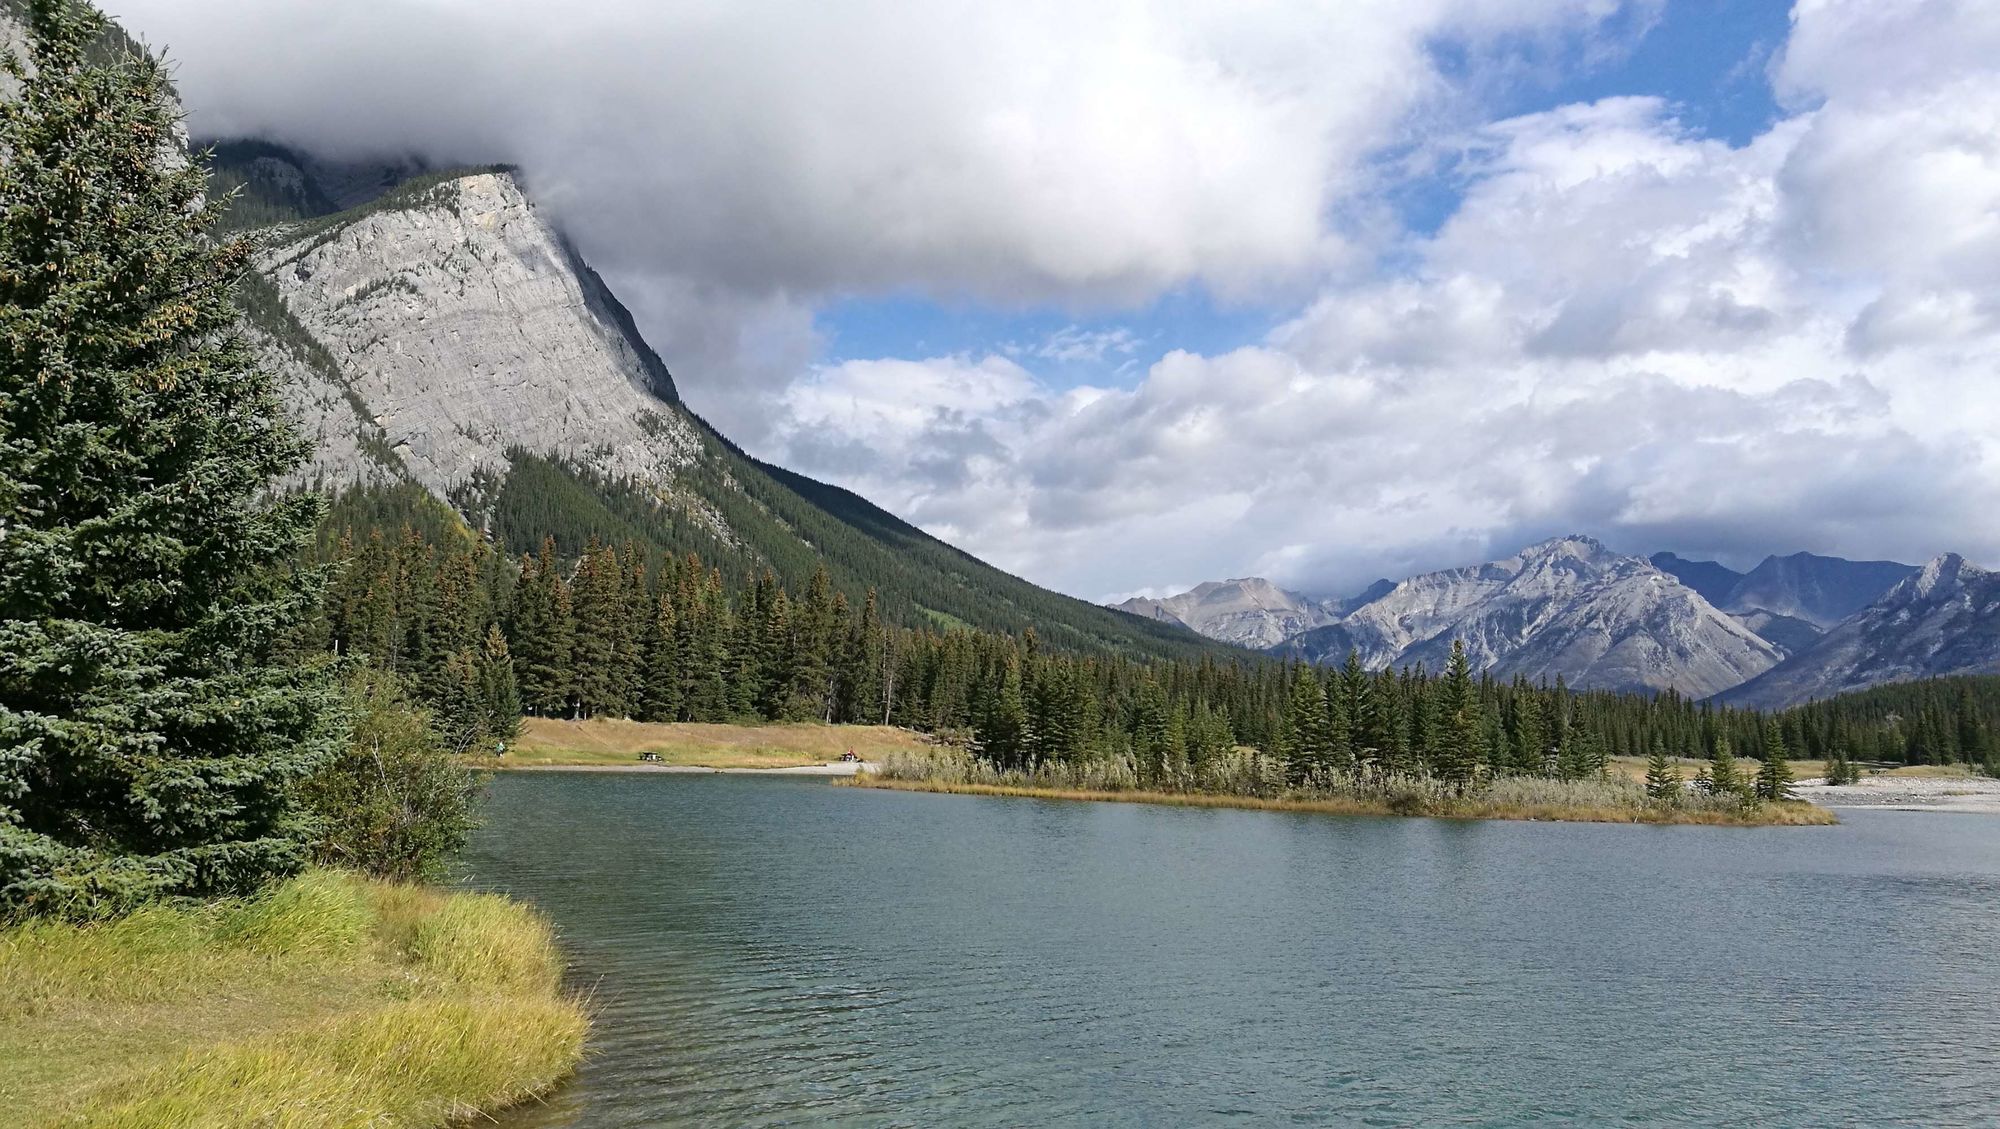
432, 331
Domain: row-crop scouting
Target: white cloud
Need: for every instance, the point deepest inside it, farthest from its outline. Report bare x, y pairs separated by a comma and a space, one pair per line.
1624, 329
720, 159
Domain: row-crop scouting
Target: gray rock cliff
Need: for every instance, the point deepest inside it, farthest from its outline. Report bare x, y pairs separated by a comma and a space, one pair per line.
431, 332
1943, 619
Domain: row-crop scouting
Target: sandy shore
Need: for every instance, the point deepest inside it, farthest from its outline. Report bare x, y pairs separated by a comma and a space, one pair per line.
1975, 794
837, 768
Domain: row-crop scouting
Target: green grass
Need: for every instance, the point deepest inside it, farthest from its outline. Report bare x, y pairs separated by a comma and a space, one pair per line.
330, 1001
600, 741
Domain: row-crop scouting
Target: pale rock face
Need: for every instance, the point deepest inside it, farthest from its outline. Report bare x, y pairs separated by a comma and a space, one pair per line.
462, 326
1943, 619
1249, 612
1820, 590
1567, 607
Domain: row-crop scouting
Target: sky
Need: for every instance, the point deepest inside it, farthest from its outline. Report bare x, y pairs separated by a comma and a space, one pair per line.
1127, 295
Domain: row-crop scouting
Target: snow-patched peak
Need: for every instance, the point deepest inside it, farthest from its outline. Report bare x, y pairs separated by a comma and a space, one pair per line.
1941, 574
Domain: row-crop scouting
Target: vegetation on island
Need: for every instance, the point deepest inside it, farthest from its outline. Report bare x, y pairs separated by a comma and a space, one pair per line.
627, 632
174, 755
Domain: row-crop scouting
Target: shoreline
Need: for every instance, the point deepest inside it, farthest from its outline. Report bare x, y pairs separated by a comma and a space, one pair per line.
1798, 814
1946, 795
328, 999
836, 768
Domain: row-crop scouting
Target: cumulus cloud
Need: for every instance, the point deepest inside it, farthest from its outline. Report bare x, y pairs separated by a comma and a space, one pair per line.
727, 161
1624, 329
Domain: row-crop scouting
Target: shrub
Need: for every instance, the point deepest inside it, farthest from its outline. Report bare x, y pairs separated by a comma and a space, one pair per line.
395, 803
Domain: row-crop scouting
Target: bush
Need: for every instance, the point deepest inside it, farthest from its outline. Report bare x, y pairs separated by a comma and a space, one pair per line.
396, 803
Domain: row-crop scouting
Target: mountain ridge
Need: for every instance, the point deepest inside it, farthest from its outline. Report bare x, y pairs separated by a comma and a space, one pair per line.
1565, 607
1943, 619
444, 334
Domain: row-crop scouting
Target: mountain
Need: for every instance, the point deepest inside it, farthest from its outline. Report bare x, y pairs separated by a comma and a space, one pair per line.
1820, 590
1567, 607
442, 333
1789, 634
1943, 619
1249, 612
1714, 581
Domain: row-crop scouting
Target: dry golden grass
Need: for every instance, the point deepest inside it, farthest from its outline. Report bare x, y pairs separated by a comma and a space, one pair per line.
1635, 768
1474, 807
546, 741
332, 1001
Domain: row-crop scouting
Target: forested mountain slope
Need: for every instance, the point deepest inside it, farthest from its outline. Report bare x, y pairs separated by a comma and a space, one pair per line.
443, 333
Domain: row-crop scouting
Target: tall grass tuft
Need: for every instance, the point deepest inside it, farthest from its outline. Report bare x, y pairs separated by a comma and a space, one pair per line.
331, 1000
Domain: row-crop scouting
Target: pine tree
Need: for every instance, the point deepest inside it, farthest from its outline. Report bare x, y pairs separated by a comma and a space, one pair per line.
150, 741
499, 689
1304, 745
660, 684
1663, 780
1774, 779
1725, 779
543, 634
1461, 724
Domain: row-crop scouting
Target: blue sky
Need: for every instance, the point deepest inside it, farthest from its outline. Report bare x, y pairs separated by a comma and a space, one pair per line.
1123, 297
1706, 57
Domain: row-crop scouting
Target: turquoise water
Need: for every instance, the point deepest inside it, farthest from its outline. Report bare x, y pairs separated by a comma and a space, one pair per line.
784, 952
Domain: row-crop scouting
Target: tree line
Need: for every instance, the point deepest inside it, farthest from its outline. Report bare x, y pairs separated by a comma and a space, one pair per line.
625, 631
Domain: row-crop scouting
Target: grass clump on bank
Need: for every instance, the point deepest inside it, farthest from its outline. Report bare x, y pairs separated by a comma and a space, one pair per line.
1251, 782
329, 1000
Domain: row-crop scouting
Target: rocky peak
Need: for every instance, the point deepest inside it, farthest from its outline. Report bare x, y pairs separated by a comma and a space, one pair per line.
448, 323
1941, 574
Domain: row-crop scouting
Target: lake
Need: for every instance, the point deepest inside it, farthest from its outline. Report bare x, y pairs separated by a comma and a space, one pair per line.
786, 952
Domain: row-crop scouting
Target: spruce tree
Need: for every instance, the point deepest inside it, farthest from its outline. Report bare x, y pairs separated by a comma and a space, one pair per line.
1774, 779
151, 742
1663, 780
1725, 779
1460, 722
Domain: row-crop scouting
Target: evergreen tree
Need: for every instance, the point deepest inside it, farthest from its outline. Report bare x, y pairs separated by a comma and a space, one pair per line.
543, 635
1305, 748
1774, 779
1663, 780
1461, 725
151, 742
660, 689
500, 692
1724, 777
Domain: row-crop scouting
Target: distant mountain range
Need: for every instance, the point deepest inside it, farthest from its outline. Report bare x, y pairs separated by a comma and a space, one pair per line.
1793, 628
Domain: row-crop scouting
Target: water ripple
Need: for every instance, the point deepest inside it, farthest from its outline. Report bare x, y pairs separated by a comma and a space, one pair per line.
767, 953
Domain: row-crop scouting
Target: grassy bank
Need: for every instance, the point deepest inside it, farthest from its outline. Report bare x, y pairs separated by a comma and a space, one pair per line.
547, 741
1471, 807
331, 1001
1634, 768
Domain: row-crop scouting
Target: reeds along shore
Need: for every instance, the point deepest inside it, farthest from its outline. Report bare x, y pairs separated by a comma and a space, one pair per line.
331, 1000
1522, 798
